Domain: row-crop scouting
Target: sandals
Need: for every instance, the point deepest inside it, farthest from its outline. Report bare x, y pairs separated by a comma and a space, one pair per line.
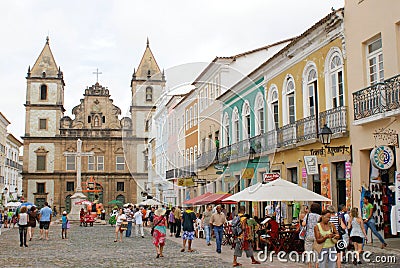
237, 264
255, 262
190, 250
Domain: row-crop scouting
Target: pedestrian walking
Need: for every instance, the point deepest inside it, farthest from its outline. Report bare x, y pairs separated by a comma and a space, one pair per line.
138, 217
178, 221
119, 229
171, 220
339, 225
243, 241
188, 218
23, 219
54, 211
5, 218
64, 225
369, 221
129, 215
160, 231
357, 233
44, 221
206, 224
1, 220
324, 232
217, 222
81, 216
33, 217
310, 221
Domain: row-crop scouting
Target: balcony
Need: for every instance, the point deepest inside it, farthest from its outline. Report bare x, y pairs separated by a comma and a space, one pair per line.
287, 136
377, 101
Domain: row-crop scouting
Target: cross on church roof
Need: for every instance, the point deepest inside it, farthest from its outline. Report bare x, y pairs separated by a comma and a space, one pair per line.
97, 74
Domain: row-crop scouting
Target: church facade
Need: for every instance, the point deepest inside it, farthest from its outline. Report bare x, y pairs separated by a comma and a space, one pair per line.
49, 174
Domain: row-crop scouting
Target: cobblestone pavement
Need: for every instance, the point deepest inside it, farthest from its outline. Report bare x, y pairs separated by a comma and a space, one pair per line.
95, 247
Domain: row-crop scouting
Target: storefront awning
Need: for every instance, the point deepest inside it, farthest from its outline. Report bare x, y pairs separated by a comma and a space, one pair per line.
197, 199
215, 199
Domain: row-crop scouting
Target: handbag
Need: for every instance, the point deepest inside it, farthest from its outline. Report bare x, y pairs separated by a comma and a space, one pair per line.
334, 240
124, 225
317, 247
68, 225
303, 230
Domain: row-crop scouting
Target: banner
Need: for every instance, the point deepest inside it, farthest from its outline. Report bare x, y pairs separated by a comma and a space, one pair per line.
304, 178
347, 168
326, 181
397, 195
311, 163
247, 173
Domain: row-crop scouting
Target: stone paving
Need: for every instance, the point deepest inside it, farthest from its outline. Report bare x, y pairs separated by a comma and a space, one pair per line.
95, 247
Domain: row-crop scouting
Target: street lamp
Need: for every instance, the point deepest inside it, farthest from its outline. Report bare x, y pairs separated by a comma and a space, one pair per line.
325, 135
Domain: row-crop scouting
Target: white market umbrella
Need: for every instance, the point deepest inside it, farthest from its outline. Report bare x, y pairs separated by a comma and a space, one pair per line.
277, 190
150, 202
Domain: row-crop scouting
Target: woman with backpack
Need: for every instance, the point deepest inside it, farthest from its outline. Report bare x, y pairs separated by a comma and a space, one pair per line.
357, 233
310, 221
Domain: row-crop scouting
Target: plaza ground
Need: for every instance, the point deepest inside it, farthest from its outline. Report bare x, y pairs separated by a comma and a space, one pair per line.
94, 247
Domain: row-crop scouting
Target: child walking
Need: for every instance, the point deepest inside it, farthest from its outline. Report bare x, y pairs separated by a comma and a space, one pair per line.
64, 225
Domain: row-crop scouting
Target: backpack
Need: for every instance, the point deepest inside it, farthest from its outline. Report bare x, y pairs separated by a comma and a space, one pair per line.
236, 226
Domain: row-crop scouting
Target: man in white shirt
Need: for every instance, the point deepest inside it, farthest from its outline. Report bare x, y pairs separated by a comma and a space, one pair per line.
138, 217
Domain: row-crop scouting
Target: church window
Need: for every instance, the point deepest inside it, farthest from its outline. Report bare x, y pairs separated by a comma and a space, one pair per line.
70, 186
70, 164
89, 119
120, 186
120, 163
91, 163
43, 92
100, 163
40, 162
104, 119
40, 188
149, 94
42, 123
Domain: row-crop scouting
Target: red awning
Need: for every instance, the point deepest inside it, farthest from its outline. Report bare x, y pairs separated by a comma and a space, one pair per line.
197, 199
215, 199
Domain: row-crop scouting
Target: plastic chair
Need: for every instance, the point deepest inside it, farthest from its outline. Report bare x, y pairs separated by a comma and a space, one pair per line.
200, 229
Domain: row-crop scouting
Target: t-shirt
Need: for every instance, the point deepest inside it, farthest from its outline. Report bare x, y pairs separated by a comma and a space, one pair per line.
188, 218
45, 214
23, 219
366, 211
207, 216
138, 217
296, 210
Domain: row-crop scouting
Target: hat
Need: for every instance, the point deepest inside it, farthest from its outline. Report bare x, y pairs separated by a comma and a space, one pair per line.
64, 212
159, 212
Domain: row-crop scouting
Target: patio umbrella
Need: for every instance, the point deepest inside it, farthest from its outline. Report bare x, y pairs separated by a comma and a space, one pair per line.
277, 190
13, 204
26, 204
83, 202
150, 202
115, 202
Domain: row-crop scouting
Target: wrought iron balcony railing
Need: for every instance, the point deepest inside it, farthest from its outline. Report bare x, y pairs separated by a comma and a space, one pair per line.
377, 99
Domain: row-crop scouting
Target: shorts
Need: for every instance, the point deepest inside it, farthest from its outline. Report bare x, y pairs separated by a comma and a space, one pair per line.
308, 244
44, 225
238, 250
357, 239
188, 235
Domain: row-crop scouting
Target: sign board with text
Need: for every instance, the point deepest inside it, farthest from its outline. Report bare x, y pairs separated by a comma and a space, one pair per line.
268, 177
311, 163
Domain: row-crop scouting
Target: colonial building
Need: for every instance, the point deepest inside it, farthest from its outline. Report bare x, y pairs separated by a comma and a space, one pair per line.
49, 175
3, 138
373, 50
13, 169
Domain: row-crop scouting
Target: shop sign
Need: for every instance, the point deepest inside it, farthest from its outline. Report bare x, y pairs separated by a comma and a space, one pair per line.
185, 182
325, 181
382, 157
268, 177
311, 163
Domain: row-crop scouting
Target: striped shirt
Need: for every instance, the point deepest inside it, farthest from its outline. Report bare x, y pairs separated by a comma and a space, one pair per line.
335, 220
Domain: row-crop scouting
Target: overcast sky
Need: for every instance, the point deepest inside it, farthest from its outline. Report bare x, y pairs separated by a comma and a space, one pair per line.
111, 36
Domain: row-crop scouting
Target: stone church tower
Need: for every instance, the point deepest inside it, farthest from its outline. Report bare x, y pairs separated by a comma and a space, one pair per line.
48, 174
147, 85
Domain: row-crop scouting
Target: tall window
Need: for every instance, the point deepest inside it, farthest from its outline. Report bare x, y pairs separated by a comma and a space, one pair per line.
235, 128
190, 116
312, 92
91, 163
120, 163
40, 162
375, 61
100, 163
149, 94
292, 172
42, 124
70, 186
260, 129
246, 120
43, 92
195, 115
40, 188
290, 96
187, 118
336, 75
226, 129
275, 108
70, 164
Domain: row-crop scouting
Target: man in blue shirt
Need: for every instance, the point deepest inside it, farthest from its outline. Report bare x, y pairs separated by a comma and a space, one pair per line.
44, 220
